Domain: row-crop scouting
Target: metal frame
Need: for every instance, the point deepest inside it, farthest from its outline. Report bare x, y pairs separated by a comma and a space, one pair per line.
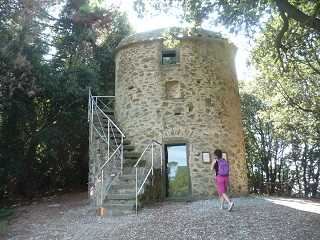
114, 155
152, 145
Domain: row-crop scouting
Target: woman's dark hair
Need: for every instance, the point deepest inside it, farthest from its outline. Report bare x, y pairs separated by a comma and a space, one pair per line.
218, 153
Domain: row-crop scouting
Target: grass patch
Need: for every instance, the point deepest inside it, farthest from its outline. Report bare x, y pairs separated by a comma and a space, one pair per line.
5, 213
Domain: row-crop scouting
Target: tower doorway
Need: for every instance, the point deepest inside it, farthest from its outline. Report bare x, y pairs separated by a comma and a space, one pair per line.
177, 171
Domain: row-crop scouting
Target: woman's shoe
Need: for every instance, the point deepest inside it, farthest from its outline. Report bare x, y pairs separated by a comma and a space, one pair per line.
230, 206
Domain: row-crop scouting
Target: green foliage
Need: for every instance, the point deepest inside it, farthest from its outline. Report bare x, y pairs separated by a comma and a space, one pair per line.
179, 186
281, 111
282, 149
43, 107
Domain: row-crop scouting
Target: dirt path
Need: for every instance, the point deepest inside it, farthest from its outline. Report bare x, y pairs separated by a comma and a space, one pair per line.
69, 217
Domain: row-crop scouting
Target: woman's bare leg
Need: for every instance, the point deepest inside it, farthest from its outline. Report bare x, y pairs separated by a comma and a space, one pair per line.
231, 204
221, 201
225, 196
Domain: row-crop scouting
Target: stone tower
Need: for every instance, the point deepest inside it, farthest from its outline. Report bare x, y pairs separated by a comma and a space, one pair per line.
179, 87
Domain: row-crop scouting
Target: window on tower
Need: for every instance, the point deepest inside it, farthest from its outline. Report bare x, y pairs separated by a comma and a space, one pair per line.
169, 57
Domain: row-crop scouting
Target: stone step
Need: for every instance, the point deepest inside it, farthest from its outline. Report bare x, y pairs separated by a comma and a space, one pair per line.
126, 185
128, 147
104, 120
104, 147
116, 137
118, 210
119, 201
124, 204
124, 196
131, 155
127, 177
123, 189
109, 113
125, 141
129, 171
132, 162
127, 205
129, 162
113, 135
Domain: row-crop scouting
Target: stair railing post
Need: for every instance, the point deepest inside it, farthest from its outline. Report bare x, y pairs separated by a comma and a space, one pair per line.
161, 164
101, 188
152, 179
161, 171
108, 139
121, 156
136, 190
152, 158
91, 120
89, 105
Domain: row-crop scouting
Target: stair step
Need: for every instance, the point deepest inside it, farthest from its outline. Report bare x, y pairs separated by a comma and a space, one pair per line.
127, 177
116, 196
118, 211
128, 171
124, 205
131, 155
128, 147
128, 202
116, 135
132, 162
129, 186
125, 141
123, 190
129, 163
109, 112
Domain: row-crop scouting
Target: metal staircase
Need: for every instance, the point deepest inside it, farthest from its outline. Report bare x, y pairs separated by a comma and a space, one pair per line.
117, 173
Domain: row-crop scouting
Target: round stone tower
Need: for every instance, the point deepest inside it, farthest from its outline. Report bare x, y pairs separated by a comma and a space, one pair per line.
179, 87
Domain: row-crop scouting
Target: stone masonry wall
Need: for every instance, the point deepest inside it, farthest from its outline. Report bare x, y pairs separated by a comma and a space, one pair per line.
195, 102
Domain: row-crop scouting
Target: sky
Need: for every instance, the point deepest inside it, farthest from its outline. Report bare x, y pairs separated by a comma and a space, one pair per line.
176, 154
150, 23
162, 21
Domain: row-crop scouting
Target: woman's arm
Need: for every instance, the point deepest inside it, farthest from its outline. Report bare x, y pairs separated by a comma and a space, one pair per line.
212, 164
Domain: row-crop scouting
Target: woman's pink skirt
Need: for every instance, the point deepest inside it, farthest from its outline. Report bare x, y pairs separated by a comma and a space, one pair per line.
222, 184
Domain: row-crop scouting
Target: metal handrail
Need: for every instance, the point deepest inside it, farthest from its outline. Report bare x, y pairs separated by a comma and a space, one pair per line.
113, 146
150, 171
98, 96
108, 160
109, 119
153, 141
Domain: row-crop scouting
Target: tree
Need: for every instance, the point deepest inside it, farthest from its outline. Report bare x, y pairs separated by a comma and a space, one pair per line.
282, 120
290, 85
21, 55
292, 17
43, 108
282, 145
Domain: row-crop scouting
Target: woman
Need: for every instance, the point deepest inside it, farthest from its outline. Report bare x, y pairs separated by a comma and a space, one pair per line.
221, 168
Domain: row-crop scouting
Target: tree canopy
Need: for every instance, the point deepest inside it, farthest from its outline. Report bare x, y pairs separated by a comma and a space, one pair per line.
281, 108
47, 64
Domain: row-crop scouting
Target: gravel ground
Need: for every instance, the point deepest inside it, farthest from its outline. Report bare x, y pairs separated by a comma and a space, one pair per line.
69, 217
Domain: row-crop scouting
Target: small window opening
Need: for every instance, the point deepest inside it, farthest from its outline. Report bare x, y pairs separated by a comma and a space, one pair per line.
173, 89
169, 57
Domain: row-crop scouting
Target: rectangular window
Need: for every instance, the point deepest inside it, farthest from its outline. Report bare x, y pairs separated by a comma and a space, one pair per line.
169, 57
